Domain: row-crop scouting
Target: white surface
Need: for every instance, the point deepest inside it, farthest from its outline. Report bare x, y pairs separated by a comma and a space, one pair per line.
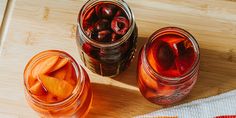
224, 104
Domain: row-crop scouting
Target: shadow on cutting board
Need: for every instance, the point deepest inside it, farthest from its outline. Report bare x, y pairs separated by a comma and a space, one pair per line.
217, 75
129, 75
116, 102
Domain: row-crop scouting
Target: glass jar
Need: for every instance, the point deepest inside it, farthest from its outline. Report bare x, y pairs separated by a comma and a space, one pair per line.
76, 103
168, 66
106, 58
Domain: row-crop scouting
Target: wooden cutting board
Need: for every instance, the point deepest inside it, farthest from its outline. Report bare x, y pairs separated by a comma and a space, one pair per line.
36, 25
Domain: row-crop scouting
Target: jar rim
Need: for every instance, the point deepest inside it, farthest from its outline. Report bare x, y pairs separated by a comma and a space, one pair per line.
182, 32
77, 91
128, 11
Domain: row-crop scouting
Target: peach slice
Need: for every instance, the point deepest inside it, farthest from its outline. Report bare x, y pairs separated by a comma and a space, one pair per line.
69, 69
31, 81
148, 81
60, 74
59, 64
44, 66
37, 89
73, 79
57, 87
52, 98
70, 74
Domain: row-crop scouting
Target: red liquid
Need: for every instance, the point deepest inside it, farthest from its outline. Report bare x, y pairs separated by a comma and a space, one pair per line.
107, 23
171, 55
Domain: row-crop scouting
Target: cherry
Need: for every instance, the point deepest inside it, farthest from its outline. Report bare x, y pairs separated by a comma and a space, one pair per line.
105, 10
180, 48
91, 33
165, 56
183, 46
104, 36
87, 48
115, 37
185, 60
118, 13
102, 24
90, 50
108, 11
120, 25
89, 18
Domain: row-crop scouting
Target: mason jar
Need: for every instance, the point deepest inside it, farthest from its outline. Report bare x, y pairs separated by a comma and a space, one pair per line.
168, 66
114, 20
43, 98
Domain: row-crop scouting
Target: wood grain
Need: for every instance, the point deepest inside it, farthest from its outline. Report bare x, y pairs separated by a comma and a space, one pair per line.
3, 4
42, 24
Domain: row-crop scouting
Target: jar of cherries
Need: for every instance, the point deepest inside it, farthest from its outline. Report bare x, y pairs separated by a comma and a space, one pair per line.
106, 36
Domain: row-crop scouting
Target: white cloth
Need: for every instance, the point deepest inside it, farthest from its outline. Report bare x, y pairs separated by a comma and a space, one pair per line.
223, 104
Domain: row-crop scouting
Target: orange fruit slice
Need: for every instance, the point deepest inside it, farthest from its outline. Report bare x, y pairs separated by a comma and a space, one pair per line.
37, 89
73, 79
148, 81
59, 64
31, 81
69, 69
44, 66
57, 87
70, 74
60, 74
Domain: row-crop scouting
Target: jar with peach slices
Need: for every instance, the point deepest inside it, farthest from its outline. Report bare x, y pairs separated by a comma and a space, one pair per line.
56, 86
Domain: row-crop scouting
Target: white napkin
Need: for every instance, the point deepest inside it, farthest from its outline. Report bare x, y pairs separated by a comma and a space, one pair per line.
223, 104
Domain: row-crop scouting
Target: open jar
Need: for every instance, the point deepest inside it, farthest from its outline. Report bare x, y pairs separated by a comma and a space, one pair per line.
106, 36
168, 66
56, 86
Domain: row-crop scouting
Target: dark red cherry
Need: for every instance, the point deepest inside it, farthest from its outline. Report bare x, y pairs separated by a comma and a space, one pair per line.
185, 61
165, 56
183, 46
115, 37
90, 50
105, 10
102, 24
89, 18
108, 11
104, 36
91, 32
120, 25
87, 48
118, 13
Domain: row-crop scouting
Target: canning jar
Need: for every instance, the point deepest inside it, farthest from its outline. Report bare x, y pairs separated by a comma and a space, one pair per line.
56, 86
168, 65
106, 36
